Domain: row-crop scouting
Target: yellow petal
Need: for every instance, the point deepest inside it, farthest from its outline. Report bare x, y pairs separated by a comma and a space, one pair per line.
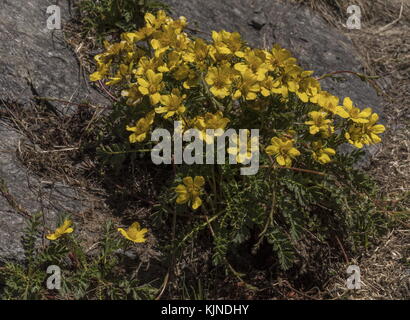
281, 160
182, 198
366, 113
161, 109
141, 137
135, 225
69, 230
155, 98
294, 152
330, 151
199, 181
66, 224
375, 138
143, 90
324, 158
379, 128
342, 113
52, 237
241, 67
188, 181
181, 189
197, 203
96, 76
313, 130
348, 103
237, 94
142, 82
271, 150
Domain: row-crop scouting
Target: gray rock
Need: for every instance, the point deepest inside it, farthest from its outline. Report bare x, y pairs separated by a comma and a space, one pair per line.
30, 194
31, 53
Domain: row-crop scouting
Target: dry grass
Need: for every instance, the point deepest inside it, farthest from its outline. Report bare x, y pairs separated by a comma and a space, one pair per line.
384, 271
384, 45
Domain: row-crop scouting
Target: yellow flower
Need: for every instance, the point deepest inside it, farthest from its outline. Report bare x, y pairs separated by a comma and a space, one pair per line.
308, 87
280, 57
122, 73
172, 104
184, 72
356, 136
364, 134
215, 121
255, 60
372, 129
173, 61
100, 73
287, 82
248, 86
179, 24
104, 60
291, 77
134, 233
131, 37
220, 81
226, 44
159, 46
190, 191
270, 85
151, 86
169, 38
329, 102
197, 53
321, 154
283, 150
133, 95
355, 114
65, 228
142, 34
242, 157
145, 64
152, 24
158, 21
141, 128
319, 123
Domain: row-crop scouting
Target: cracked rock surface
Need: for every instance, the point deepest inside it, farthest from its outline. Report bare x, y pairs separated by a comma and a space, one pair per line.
32, 57
29, 52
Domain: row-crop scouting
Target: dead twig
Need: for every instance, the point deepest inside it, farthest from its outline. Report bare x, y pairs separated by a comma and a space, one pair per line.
343, 250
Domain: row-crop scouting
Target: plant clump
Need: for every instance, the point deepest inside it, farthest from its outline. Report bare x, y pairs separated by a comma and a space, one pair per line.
304, 185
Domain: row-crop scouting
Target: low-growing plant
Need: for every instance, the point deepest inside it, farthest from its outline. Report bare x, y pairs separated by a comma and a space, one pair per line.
104, 16
305, 184
104, 272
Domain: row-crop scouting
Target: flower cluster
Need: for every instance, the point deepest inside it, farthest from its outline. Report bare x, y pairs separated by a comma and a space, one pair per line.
208, 85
